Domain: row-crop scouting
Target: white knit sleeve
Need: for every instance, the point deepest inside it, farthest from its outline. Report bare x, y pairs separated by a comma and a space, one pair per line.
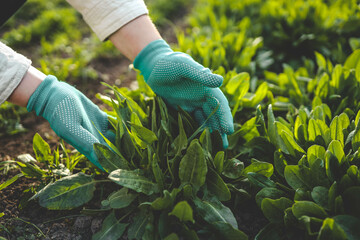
107, 16
13, 67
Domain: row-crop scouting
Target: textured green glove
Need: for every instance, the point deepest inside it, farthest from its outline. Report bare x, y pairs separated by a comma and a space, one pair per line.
71, 115
181, 81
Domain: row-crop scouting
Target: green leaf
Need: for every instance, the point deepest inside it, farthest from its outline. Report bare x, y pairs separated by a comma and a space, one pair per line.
320, 60
320, 196
280, 162
183, 212
331, 231
233, 168
292, 147
143, 133
337, 150
166, 201
180, 141
193, 167
256, 98
217, 186
338, 124
271, 231
172, 236
331, 166
228, 232
67, 193
268, 192
133, 180
111, 229
274, 209
109, 160
239, 84
351, 198
10, 181
41, 149
262, 168
314, 152
352, 60
307, 208
137, 227
260, 180
219, 161
121, 198
158, 174
213, 212
350, 225
271, 126
31, 170
294, 177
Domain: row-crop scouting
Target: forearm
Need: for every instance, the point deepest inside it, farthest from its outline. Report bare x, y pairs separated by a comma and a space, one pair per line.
27, 87
134, 36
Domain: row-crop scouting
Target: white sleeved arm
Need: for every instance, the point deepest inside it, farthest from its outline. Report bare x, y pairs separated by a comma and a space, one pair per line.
13, 67
106, 16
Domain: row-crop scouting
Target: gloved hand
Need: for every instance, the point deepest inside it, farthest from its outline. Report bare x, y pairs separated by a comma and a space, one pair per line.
71, 115
181, 81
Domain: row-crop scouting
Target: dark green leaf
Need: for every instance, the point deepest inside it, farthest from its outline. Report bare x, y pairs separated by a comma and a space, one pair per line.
109, 160
67, 193
193, 166
217, 186
134, 181
143, 133
268, 192
166, 201
111, 229
350, 225
331, 231
351, 198
213, 212
271, 231
274, 209
219, 161
228, 232
320, 196
121, 198
260, 180
262, 168
307, 208
233, 168
137, 227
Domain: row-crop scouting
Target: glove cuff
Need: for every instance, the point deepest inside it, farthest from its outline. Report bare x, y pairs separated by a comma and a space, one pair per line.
147, 58
40, 97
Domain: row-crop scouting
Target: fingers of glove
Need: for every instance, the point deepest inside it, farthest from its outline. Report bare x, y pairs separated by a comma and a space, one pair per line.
224, 140
192, 70
223, 114
214, 122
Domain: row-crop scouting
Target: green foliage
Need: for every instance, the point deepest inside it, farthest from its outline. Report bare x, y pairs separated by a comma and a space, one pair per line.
10, 116
295, 149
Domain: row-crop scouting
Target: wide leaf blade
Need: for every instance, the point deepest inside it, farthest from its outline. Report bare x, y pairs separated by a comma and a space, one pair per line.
133, 180
68, 192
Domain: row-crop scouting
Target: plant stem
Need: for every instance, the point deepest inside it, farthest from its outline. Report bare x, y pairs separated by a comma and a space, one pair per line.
32, 224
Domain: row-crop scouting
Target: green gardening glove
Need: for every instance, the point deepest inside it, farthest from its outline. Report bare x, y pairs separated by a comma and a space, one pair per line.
71, 115
181, 81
